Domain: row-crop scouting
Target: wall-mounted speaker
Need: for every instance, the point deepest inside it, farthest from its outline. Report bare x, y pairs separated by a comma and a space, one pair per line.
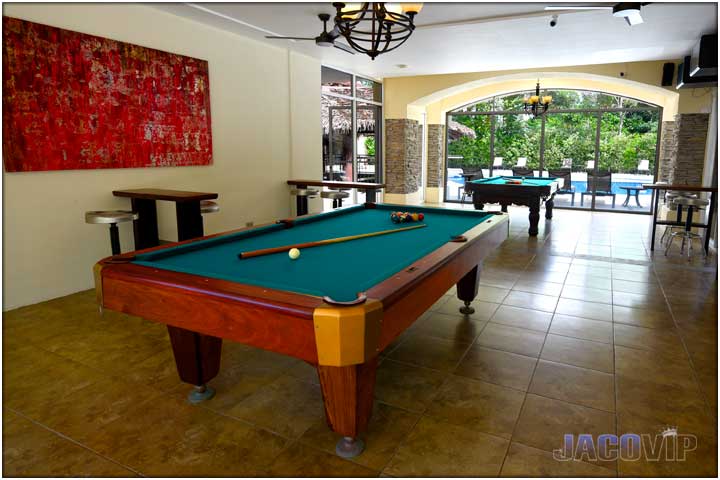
668, 74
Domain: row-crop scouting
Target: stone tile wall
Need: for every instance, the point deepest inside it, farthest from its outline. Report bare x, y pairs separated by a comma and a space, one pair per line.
668, 151
403, 162
691, 136
682, 149
435, 155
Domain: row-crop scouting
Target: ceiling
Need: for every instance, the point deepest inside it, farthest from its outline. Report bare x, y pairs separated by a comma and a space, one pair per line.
473, 37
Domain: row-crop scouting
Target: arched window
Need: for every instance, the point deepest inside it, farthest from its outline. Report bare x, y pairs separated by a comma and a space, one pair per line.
585, 133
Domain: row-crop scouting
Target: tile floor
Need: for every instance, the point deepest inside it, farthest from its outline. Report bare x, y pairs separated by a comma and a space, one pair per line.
576, 331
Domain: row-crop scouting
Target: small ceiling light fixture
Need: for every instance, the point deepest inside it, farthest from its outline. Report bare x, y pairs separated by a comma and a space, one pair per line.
374, 28
629, 11
536, 105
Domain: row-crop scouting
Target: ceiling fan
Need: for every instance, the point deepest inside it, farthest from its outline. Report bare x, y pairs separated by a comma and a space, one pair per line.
628, 10
325, 39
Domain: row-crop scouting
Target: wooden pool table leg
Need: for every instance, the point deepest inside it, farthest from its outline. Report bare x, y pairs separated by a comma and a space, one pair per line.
549, 204
348, 396
534, 216
467, 289
197, 358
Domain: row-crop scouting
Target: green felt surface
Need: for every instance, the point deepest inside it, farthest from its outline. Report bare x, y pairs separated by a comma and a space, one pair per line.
340, 270
534, 181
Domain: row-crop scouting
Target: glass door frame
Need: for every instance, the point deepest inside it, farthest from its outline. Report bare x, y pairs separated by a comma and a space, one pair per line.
541, 167
379, 124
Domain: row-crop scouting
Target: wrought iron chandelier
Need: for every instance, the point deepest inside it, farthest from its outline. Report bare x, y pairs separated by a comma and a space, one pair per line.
536, 105
374, 28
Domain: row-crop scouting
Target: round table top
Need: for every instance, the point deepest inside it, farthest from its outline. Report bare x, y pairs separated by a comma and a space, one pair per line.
637, 187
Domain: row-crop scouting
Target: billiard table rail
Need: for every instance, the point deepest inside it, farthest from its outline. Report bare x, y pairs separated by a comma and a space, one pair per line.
224, 309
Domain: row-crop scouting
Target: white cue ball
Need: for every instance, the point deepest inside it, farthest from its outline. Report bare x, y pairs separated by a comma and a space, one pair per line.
294, 254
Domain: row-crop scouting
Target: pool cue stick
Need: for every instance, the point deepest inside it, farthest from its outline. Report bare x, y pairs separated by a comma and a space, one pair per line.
285, 248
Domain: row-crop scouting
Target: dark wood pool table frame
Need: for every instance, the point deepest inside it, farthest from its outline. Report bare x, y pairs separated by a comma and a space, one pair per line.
342, 340
506, 194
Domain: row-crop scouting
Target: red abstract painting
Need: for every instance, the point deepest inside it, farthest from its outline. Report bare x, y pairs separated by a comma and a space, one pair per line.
76, 101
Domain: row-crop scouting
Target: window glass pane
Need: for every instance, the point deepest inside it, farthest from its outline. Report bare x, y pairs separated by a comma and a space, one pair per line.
512, 102
570, 147
368, 90
562, 100
334, 81
483, 106
468, 151
337, 125
367, 146
627, 149
517, 143
569, 140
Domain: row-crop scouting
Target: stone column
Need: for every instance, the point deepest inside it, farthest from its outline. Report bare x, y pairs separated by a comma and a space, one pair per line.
682, 152
691, 135
668, 151
435, 163
402, 160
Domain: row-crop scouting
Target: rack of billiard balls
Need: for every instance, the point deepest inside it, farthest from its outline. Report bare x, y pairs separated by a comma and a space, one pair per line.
406, 217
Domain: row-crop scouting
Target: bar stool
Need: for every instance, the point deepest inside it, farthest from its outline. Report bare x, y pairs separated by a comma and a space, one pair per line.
671, 195
670, 203
337, 196
112, 217
208, 206
687, 234
302, 194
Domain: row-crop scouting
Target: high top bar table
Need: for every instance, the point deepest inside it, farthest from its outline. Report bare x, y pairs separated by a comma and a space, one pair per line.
187, 208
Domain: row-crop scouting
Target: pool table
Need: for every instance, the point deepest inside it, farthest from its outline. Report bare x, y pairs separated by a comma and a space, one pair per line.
336, 307
532, 191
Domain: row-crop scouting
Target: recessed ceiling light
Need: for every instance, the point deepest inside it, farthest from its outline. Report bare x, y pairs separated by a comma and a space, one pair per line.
401, 65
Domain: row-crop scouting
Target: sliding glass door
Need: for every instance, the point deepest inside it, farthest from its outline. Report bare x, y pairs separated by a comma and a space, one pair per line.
601, 147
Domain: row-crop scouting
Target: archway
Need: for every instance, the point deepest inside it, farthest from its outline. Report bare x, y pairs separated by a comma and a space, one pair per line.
435, 106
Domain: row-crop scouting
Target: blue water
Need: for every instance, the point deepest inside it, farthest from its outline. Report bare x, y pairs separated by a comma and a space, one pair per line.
582, 187
579, 185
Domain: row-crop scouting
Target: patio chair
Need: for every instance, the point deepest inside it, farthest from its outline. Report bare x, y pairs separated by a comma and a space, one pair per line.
566, 186
590, 165
601, 184
521, 162
644, 166
522, 172
498, 162
567, 163
470, 174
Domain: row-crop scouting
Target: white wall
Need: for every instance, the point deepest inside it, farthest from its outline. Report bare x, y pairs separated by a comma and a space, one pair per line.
265, 123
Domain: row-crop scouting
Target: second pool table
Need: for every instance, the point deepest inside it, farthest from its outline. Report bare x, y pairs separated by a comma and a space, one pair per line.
336, 307
532, 191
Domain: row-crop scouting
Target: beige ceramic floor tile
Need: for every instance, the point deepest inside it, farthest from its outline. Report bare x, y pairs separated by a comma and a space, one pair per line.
543, 422
436, 449
287, 406
511, 339
584, 328
581, 353
407, 386
578, 308
477, 405
30, 450
300, 460
522, 318
585, 387
524, 461
534, 301
498, 367
430, 352
387, 429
